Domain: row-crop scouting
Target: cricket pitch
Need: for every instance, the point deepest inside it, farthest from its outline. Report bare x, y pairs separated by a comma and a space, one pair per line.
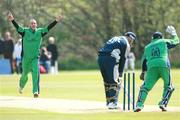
67, 106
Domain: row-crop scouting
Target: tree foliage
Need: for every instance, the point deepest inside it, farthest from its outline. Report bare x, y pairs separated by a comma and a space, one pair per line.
88, 24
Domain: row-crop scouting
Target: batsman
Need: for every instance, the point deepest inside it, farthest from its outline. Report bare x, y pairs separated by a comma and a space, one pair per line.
156, 65
111, 60
31, 41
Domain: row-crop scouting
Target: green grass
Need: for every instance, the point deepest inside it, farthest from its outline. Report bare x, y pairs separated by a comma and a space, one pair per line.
24, 114
82, 85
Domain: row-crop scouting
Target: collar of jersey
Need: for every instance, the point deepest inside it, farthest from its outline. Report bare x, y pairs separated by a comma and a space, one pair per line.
154, 40
33, 30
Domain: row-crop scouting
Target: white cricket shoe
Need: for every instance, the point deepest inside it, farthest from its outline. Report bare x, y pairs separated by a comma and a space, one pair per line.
163, 108
20, 90
138, 109
36, 95
112, 105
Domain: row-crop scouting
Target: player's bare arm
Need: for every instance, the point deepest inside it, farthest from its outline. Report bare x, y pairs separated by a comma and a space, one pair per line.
59, 18
10, 16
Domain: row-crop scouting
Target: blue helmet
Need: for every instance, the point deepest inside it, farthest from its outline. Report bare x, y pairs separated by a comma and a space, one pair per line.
157, 35
131, 35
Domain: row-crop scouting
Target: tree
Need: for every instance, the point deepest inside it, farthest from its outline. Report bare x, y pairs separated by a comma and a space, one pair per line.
88, 24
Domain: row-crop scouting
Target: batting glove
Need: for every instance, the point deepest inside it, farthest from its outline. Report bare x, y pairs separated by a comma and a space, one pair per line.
120, 79
171, 30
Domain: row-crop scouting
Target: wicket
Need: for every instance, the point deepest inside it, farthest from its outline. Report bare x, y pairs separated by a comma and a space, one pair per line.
127, 92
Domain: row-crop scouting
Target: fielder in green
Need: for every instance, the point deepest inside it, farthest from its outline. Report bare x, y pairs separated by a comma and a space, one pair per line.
156, 65
31, 42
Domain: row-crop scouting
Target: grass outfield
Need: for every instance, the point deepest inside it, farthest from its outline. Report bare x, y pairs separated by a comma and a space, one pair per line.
24, 114
81, 85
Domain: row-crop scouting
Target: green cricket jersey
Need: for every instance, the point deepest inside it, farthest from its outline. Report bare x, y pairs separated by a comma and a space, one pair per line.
32, 39
156, 52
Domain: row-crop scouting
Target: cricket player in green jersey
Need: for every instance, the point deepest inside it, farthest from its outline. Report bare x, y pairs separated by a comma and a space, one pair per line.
31, 42
157, 65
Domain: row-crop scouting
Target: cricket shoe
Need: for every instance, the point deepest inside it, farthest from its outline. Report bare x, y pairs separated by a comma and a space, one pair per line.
112, 105
20, 90
36, 95
163, 108
137, 109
